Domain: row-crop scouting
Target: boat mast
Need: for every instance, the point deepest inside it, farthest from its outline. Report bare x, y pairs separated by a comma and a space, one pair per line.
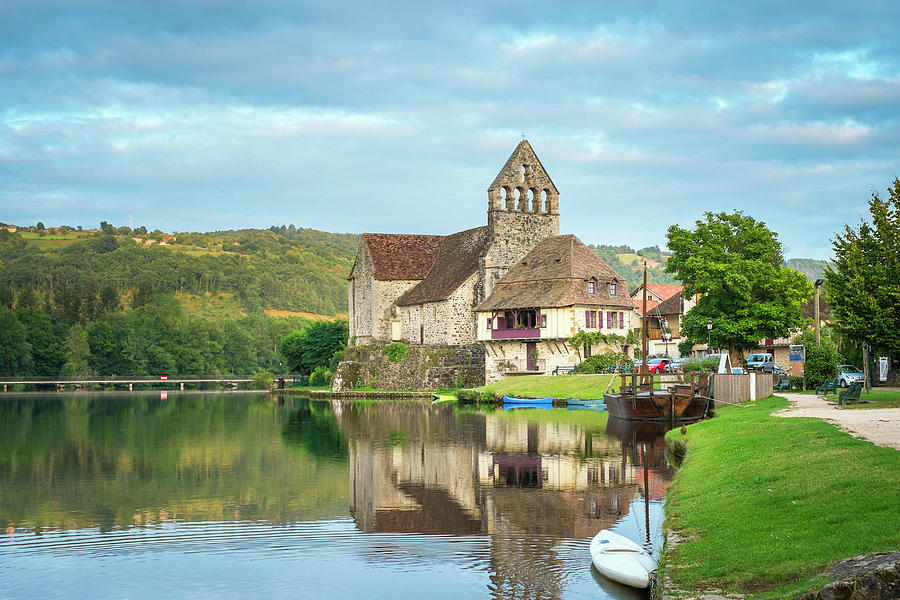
644, 326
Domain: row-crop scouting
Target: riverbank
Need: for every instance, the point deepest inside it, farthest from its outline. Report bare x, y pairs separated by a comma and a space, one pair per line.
764, 505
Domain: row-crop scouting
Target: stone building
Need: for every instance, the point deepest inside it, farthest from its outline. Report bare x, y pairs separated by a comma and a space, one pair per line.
420, 289
424, 289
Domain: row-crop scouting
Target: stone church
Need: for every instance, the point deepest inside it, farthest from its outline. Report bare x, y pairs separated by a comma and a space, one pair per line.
429, 291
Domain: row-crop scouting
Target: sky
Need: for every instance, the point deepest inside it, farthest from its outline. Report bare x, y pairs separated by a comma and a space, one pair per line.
395, 117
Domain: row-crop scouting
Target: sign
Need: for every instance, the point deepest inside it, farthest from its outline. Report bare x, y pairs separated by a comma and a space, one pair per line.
163, 377
883, 368
797, 352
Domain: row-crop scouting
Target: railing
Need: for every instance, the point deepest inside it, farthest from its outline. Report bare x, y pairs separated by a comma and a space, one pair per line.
515, 334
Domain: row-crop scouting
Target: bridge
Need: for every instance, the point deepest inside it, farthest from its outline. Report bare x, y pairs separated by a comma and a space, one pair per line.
60, 383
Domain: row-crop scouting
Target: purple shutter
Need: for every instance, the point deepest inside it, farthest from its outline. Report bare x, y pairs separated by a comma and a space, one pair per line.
621, 320
587, 319
600, 319
609, 319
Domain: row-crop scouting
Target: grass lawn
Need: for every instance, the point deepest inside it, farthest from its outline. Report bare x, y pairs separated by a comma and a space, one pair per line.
877, 399
557, 386
766, 503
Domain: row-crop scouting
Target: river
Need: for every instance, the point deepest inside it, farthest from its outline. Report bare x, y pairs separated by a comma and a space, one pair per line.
237, 495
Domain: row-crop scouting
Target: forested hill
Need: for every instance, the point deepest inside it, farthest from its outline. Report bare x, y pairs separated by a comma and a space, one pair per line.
222, 273
812, 268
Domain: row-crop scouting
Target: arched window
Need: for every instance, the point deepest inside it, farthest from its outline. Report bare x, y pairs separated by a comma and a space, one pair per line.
545, 201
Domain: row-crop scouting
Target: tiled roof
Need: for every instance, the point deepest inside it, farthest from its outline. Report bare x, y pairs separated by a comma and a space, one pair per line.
555, 274
639, 302
456, 261
663, 290
402, 256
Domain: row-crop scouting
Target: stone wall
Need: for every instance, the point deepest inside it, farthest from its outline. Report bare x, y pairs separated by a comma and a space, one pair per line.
371, 302
450, 322
425, 367
513, 235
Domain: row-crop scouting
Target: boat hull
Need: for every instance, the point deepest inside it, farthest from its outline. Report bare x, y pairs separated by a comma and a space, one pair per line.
657, 405
508, 400
620, 559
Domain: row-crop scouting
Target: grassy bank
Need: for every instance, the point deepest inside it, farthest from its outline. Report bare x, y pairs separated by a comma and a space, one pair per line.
559, 386
766, 503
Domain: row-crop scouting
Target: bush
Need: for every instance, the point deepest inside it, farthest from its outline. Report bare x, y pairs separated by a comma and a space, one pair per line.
707, 364
262, 379
468, 396
599, 363
796, 382
396, 351
321, 376
821, 364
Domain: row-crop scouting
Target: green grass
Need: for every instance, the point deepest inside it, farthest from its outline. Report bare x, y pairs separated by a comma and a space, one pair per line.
766, 503
558, 386
877, 399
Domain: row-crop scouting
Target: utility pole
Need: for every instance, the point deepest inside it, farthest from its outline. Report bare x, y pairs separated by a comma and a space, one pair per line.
817, 285
645, 344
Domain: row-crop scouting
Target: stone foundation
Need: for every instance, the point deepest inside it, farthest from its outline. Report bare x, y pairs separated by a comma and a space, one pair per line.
425, 367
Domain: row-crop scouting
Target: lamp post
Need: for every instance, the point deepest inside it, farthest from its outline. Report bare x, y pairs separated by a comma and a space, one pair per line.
666, 335
708, 336
817, 285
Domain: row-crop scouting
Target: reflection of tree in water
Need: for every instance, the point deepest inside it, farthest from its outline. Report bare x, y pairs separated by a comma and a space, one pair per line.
314, 428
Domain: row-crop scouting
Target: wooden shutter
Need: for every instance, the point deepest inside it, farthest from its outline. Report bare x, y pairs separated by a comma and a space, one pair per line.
609, 319
621, 320
587, 319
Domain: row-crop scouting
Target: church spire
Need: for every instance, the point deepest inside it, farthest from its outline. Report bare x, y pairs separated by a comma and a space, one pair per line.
523, 185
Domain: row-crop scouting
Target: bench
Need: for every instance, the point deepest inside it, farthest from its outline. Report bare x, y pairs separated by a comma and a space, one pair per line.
564, 371
851, 394
782, 385
830, 384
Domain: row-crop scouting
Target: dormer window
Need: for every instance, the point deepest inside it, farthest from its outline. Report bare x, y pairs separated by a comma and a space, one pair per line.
612, 290
592, 288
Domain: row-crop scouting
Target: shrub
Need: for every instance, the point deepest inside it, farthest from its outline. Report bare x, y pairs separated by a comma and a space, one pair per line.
707, 364
599, 363
262, 379
468, 396
320, 376
396, 351
821, 363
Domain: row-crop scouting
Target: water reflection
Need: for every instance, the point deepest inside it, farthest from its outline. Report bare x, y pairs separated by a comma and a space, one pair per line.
336, 498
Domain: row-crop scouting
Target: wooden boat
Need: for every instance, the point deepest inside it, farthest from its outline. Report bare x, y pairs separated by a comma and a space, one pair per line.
640, 400
584, 401
508, 400
620, 559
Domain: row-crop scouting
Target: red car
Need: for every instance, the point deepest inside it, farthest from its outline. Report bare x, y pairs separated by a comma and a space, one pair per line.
658, 365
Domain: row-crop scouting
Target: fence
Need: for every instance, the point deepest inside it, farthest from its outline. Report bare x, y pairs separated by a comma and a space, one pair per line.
732, 389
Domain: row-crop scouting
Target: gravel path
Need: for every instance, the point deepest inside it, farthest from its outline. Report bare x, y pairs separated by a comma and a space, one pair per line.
880, 426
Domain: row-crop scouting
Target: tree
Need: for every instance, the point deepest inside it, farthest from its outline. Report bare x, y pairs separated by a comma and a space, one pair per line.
735, 263
15, 351
863, 284
47, 339
313, 346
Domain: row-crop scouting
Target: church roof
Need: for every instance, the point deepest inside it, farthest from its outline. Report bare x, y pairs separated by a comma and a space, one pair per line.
402, 256
456, 261
555, 274
510, 174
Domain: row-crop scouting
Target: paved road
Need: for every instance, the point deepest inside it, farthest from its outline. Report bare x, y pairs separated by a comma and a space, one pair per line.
880, 426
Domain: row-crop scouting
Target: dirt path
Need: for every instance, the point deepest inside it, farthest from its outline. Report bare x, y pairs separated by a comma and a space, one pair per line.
880, 426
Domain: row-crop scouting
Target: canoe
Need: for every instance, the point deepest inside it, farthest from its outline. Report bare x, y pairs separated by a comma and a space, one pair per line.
527, 406
508, 400
584, 401
620, 559
443, 398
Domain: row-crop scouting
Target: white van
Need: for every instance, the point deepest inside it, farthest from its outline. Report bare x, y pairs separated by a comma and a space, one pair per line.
754, 361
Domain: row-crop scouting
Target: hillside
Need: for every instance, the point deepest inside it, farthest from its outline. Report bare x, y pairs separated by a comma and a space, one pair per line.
812, 268
216, 274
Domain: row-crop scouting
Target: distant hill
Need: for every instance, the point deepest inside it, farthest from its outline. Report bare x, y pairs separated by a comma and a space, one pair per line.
812, 268
215, 274
629, 263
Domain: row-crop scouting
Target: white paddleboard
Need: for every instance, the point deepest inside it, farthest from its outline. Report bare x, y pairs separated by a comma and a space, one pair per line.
620, 559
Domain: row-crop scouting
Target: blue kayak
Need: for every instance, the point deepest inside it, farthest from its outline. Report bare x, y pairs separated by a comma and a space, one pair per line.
508, 400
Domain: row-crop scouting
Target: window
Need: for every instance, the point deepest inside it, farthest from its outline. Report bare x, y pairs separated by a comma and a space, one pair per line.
609, 319
592, 288
543, 320
490, 323
612, 290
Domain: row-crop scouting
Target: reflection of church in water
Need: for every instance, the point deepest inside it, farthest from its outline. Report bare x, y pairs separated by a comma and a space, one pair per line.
526, 484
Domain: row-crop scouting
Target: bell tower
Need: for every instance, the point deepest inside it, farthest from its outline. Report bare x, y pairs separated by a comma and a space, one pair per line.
523, 210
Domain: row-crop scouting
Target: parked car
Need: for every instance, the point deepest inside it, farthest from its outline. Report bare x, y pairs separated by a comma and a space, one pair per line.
658, 365
755, 361
771, 367
675, 365
848, 374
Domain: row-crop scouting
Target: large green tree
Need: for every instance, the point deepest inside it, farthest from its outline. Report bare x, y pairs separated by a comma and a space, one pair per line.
314, 345
735, 264
863, 284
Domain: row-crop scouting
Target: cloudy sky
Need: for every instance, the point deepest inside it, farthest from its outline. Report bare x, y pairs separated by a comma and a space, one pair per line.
395, 117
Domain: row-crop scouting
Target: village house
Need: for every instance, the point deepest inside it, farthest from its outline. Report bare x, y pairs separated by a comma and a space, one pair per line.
432, 290
665, 308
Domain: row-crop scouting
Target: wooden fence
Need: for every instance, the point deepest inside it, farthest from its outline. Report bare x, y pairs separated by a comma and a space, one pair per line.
731, 389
